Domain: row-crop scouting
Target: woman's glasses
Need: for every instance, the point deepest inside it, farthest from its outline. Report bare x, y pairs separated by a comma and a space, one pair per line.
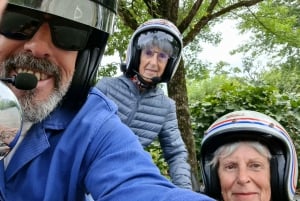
21, 24
161, 56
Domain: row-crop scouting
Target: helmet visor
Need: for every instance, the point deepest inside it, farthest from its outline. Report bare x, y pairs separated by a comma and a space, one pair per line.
96, 15
165, 42
22, 24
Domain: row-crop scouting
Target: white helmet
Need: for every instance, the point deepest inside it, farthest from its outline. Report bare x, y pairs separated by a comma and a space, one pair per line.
162, 32
250, 125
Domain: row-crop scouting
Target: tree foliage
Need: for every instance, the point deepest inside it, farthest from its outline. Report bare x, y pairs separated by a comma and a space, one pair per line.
275, 28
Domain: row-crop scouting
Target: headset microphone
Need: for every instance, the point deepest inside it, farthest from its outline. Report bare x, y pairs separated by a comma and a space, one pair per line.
156, 80
23, 81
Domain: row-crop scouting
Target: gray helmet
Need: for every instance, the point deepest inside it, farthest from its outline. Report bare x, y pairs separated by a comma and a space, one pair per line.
254, 126
97, 14
159, 32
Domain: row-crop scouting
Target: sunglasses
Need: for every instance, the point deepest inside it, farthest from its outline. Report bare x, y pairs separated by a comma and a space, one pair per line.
161, 56
21, 24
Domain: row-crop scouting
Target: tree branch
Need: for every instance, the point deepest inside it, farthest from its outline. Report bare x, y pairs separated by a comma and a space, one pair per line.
152, 8
205, 19
188, 19
127, 18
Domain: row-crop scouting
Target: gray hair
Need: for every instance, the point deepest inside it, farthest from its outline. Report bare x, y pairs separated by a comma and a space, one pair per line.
157, 39
227, 149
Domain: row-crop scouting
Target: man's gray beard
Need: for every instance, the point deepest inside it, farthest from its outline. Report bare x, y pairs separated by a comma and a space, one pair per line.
34, 111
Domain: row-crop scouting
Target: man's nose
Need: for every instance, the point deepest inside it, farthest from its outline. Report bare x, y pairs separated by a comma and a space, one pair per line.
40, 44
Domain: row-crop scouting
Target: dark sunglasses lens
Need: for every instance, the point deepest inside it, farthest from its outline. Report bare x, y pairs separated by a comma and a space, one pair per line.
65, 34
69, 38
18, 26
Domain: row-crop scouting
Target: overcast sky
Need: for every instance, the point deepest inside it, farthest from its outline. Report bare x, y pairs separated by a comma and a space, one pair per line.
231, 39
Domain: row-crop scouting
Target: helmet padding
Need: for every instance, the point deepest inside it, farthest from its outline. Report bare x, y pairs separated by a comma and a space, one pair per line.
85, 74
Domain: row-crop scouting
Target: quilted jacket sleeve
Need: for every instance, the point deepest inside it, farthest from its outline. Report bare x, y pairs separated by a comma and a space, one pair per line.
174, 150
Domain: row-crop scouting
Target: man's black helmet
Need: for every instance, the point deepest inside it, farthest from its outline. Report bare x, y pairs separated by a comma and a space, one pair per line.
158, 32
97, 14
248, 125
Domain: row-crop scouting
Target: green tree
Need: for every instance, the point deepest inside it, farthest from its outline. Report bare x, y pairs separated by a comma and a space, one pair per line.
193, 19
275, 28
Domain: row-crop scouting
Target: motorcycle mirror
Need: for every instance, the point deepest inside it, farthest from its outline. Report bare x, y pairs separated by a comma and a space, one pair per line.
10, 120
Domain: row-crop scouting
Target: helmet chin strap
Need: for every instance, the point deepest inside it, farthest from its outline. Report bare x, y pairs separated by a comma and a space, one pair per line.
142, 83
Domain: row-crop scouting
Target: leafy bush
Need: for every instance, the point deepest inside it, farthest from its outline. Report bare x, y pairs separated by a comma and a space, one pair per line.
156, 152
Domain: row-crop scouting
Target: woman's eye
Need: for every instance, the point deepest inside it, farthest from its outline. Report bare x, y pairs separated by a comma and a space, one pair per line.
230, 167
149, 53
163, 55
255, 165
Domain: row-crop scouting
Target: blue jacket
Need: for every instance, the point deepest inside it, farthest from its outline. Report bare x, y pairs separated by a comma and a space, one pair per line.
71, 153
151, 115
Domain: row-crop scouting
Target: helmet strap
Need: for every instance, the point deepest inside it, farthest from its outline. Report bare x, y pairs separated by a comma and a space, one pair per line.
142, 83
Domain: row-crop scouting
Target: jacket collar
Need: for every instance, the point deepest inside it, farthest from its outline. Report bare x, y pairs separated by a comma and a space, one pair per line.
133, 87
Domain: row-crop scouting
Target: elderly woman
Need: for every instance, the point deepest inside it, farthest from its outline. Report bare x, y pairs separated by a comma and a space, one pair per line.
153, 56
248, 156
244, 171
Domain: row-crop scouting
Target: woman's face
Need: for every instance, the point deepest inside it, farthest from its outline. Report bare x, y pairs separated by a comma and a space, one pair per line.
245, 175
152, 63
